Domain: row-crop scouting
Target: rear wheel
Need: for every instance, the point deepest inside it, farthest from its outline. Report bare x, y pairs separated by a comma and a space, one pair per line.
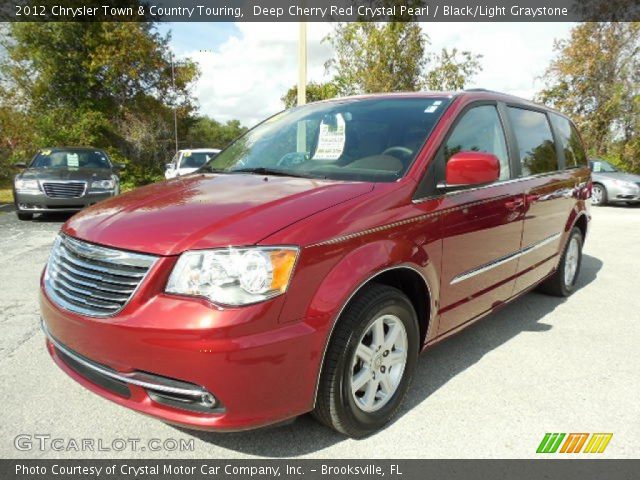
369, 362
562, 283
24, 215
598, 195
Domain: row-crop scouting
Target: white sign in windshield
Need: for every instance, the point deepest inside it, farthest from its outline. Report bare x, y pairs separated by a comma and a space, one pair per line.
72, 160
331, 139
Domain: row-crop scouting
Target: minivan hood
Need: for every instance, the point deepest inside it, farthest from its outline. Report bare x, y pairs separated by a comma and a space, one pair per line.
207, 211
85, 174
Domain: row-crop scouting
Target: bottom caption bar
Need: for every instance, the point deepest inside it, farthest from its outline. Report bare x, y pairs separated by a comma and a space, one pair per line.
582, 469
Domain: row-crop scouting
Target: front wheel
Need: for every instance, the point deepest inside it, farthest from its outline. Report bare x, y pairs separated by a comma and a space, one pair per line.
598, 195
563, 282
369, 362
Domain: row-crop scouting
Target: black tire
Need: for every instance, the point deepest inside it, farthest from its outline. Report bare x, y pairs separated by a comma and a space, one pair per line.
24, 216
556, 285
604, 197
335, 406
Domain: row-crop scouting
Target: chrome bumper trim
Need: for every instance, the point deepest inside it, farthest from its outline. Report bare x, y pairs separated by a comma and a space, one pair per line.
143, 380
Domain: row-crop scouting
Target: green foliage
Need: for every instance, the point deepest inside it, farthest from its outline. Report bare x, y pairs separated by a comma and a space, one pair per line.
315, 93
452, 69
205, 132
595, 79
377, 57
372, 57
109, 85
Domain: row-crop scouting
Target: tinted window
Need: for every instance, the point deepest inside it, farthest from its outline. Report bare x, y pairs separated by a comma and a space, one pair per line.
535, 141
368, 140
480, 130
195, 159
570, 140
70, 159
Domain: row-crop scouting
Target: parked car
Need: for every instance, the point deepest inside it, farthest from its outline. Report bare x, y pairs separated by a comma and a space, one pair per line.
188, 161
610, 185
64, 179
306, 266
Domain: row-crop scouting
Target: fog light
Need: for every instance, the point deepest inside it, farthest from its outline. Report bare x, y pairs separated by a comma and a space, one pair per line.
208, 400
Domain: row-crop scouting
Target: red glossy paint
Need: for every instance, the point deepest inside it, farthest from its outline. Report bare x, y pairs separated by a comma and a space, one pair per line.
263, 361
472, 168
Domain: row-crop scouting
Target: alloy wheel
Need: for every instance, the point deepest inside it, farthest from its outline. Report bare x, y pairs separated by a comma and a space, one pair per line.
596, 195
571, 261
379, 363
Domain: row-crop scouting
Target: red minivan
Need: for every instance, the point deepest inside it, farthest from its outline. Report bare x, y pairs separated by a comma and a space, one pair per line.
306, 266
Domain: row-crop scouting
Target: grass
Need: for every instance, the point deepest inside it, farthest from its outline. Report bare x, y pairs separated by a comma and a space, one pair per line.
6, 193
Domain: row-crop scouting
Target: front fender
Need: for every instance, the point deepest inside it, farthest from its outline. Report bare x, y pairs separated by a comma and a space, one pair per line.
353, 271
579, 210
364, 263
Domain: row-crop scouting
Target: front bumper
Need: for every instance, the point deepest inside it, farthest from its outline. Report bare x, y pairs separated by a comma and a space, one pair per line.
259, 371
40, 203
617, 193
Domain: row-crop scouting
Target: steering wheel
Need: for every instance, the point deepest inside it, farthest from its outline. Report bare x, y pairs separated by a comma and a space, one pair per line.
403, 151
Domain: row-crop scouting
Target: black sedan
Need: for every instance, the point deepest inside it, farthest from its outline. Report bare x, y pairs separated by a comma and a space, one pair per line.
64, 180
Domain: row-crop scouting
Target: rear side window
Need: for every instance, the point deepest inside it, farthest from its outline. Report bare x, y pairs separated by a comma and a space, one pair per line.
480, 130
574, 155
535, 141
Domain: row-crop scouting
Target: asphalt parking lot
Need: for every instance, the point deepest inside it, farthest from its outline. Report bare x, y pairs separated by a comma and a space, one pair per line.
539, 365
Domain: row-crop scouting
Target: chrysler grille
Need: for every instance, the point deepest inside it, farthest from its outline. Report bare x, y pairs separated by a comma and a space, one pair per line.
93, 280
64, 189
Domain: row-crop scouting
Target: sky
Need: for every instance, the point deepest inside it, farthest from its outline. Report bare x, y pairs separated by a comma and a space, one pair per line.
247, 67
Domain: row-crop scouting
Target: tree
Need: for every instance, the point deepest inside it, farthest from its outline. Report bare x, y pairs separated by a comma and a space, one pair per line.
595, 79
452, 69
315, 93
92, 83
372, 57
205, 132
377, 57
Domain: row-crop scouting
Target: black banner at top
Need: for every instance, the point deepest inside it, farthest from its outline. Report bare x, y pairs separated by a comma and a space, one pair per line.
319, 10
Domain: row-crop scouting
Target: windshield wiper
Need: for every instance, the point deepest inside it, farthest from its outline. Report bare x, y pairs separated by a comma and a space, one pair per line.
268, 171
211, 170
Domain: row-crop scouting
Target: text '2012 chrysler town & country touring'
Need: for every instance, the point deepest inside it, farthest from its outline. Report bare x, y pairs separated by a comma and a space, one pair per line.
307, 265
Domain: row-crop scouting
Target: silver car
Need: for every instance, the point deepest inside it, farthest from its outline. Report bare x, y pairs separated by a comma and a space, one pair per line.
64, 179
610, 185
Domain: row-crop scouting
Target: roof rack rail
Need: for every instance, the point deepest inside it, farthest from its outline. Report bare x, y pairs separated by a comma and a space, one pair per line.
480, 90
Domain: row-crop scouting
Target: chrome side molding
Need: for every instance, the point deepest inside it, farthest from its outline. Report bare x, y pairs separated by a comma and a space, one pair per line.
502, 260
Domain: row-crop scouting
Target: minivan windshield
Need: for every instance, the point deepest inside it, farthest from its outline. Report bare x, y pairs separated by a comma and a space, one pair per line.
373, 140
71, 159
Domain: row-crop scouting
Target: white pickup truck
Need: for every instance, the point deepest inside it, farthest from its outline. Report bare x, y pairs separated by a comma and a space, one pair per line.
188, 161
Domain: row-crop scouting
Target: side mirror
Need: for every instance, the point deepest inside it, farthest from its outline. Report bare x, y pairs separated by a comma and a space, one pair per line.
119, 167
20, 165
168, 166
471, 168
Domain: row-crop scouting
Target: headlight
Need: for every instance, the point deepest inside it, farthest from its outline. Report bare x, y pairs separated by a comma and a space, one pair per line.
624, 184
103, 184
234, 276
27, 186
